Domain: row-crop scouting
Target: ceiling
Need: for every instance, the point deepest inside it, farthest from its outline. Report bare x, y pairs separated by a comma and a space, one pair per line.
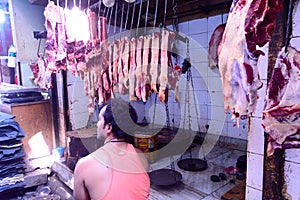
180, 10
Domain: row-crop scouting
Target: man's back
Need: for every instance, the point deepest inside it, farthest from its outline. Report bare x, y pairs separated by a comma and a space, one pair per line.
115, 171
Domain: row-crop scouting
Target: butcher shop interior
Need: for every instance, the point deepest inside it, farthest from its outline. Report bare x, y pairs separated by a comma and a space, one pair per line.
212, 83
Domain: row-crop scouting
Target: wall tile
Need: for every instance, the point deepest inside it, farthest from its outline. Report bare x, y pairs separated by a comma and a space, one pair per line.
78, 105
255, 170
202, 97
261, 100
215, 98
199, 69
295, 42
292, 155
183, 28
296, 19
215, 83
263, 62
198, 55
256, 136
213, 22
253, 194
237, 132
198, 26
216, 126
79, 120
201, 39
291, 180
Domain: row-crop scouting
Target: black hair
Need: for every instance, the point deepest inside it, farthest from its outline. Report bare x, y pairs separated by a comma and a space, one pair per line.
119, 113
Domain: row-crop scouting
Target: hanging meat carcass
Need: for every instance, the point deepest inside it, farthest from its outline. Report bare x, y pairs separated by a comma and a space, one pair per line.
155, 52
281, 116
213, 46
145, 83
42, 76
132, 70
139, 66
249, 23
167, 41
126, 61
55, 47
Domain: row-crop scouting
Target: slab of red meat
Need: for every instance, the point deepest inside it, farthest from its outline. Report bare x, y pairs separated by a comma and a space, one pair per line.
213, 46
250, 23
281, 116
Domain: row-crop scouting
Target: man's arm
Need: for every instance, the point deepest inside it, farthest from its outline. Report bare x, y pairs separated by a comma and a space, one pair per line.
80, 191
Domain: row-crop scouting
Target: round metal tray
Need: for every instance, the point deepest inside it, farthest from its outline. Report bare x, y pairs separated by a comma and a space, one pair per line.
165, 177
192, 164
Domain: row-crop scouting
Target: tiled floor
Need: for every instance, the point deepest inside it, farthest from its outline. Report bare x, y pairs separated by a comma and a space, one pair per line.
197, 185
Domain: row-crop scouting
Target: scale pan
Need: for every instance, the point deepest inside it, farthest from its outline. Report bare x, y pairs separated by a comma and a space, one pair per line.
165, 177
192, 164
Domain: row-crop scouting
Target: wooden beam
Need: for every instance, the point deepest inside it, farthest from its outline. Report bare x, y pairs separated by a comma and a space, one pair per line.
273, 180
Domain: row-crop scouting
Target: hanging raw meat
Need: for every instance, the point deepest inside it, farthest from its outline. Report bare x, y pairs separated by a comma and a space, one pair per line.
132, 70
120, 68
116, 55
213, 46
125, 60
281, 116
82, 38
56, 41
145, 83
71, 29
139, 65
154, 67
249, 23
166, 44
42, 75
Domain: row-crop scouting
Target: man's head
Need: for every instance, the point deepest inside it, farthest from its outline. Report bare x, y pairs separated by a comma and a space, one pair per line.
115, 116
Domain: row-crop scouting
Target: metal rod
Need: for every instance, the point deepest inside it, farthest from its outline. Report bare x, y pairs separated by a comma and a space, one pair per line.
121, 25
74, 3
99, 8
146, 18
138, 22
111, 11
89, 3
66, 3
288, 26
80, 4
127, 16
132, 16
155, 15
165, 13
116, 15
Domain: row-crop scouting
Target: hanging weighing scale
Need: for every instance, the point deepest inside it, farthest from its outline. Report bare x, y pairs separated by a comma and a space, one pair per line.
190, 164
165, 176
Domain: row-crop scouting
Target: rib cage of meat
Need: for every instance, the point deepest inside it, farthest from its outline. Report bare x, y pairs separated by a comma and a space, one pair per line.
249, 23
137, 66
281, 116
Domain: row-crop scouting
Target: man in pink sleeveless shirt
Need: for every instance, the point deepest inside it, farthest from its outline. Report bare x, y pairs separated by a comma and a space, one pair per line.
116, 170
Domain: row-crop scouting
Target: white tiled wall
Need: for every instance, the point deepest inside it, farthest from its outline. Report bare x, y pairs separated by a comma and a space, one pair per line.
207, 88
292, 163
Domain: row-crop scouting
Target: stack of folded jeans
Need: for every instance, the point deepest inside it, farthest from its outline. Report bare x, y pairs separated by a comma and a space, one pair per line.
12, 156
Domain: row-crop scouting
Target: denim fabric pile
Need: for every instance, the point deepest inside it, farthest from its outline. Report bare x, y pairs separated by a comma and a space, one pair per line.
12, 163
